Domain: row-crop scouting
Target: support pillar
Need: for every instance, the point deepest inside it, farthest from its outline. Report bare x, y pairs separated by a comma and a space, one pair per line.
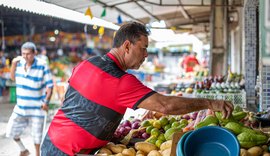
251, 49
219, 37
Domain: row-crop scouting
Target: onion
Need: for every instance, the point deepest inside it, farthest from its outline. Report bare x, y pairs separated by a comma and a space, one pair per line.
194, 115
186, 116
135, 125
145, 135
117, 134
126, 131
121, 130
126, 123
137, 120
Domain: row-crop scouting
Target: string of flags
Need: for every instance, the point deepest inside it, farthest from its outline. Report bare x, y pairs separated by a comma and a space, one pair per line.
89, 13
101, 30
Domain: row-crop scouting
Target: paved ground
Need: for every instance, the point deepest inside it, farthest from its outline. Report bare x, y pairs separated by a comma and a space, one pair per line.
7, 146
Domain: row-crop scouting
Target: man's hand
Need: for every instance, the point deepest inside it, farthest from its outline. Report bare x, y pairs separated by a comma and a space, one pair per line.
223, 106
17, 59
45, 107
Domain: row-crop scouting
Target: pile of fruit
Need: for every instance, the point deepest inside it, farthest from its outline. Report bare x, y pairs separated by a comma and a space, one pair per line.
154, 136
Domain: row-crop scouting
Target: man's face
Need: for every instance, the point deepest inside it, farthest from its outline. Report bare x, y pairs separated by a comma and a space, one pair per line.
28, 55
137, 53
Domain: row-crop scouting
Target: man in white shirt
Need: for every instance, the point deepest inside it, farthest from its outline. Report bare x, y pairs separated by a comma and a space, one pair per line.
34, 89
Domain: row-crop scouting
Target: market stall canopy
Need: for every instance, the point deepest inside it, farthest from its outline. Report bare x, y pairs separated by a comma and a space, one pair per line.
50, 10
177, 14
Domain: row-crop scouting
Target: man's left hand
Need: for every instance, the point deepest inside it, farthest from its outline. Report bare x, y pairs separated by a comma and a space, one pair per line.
45, 107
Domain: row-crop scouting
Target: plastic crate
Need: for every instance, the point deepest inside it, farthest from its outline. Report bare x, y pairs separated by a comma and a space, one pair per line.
238, 99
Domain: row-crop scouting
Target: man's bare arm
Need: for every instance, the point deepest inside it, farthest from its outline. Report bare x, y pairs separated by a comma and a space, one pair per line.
180, 105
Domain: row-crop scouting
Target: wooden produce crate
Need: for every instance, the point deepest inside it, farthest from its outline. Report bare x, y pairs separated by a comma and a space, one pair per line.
176, 137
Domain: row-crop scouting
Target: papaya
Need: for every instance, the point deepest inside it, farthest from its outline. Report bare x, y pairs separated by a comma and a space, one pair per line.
247, 139
237, 109
224, 121
239, 115
235, 127
210, 119
169, 133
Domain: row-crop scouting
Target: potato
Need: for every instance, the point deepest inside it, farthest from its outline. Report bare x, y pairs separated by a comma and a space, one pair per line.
265, 148
154, 153
139, 152
166, 152
266, 154
243, 152
145, 147
129, 152
255, 151
109, 145
105, 151
165, 145
117, 149
119, 154
124, 146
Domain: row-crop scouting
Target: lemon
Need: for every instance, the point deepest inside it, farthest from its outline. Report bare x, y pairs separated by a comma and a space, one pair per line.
148, 129
158, 143
161, 137
152, 140
157, 124
175, 124
146, 123
163, 121
155, 132
168, 126
184, 121
172, 120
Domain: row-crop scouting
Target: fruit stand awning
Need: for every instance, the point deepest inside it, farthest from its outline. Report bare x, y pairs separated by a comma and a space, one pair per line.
52, 10
179, 15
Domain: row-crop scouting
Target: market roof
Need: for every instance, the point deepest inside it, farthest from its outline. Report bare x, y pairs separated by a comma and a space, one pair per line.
173, 12
191, 16
180, 15
51, 10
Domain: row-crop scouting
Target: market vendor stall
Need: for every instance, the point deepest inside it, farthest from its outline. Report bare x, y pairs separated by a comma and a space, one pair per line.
161, 137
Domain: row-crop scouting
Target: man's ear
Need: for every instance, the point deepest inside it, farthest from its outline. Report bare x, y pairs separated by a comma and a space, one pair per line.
126, 45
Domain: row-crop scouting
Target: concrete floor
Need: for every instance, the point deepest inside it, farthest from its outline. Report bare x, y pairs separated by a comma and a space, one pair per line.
7, 146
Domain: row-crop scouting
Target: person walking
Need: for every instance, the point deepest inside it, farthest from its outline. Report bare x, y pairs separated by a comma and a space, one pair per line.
34, 89
43, 55
100, 90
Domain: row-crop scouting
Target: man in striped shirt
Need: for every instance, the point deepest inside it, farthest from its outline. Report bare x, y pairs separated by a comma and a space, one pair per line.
34, 89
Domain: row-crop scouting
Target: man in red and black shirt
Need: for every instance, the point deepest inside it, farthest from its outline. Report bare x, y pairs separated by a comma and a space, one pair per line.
100, 91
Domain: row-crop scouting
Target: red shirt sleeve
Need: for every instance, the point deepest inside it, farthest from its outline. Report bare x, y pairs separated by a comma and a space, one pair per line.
131, 92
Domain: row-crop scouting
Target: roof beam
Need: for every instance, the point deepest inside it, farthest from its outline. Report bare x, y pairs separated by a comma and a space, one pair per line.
198, 5
147, 11
183, 11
